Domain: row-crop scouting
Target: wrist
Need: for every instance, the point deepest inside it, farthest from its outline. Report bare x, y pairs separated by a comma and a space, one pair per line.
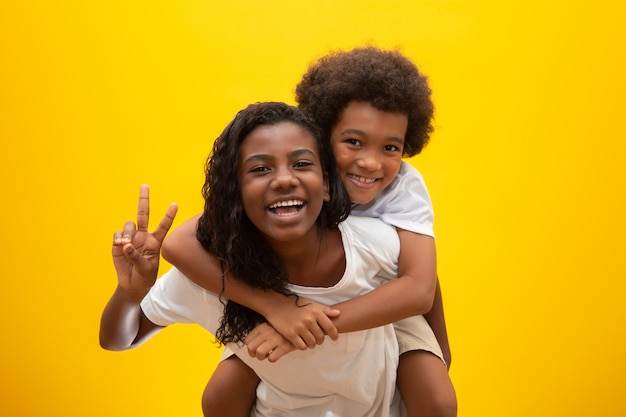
134, 295
269, 302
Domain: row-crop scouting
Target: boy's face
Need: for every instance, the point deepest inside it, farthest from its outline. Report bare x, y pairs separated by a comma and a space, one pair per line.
368, 146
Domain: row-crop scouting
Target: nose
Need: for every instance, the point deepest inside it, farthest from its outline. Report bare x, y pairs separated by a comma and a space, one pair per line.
284, 179
369, 161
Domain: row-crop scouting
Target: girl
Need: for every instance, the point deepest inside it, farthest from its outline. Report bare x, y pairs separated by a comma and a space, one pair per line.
273, 216
374, 107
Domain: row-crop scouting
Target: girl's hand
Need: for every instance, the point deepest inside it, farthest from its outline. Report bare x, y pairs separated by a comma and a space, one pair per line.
136, 251
264, 342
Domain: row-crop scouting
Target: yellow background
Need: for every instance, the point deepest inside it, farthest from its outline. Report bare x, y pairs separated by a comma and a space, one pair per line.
526, 170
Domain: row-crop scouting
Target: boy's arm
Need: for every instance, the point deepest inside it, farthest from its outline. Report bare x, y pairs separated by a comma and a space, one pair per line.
304, 324
136, 255
410, 295
416, 291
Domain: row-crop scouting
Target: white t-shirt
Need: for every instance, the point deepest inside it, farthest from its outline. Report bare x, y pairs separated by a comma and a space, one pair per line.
352, 376
405, 203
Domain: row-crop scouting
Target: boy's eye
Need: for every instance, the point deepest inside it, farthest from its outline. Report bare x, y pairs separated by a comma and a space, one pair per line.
391, 148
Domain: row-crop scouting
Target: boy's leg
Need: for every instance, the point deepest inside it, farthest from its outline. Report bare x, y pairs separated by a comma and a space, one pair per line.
231, 391
437, 321
425, 385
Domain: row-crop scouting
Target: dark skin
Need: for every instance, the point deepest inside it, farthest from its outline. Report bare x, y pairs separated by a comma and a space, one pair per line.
136, 259
219, 393
437, 321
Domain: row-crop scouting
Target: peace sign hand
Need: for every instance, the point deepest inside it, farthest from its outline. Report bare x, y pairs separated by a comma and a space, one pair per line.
136, 251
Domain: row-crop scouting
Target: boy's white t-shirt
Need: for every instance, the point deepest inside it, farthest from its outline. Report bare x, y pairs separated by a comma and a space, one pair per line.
405, 203
353, 376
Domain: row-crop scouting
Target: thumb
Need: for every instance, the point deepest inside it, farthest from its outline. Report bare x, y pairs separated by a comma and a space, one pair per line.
131, 254
140, 264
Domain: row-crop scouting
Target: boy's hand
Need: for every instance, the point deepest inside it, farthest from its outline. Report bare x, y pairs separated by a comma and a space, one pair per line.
304, 323
264, 342
136, 251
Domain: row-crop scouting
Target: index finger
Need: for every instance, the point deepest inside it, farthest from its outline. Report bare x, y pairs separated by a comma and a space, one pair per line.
143, 208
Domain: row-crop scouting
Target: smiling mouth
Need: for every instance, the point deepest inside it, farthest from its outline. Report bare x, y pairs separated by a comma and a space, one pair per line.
286, 208
362, 180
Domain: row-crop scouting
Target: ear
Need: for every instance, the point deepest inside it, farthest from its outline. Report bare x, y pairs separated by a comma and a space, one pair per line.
326, 189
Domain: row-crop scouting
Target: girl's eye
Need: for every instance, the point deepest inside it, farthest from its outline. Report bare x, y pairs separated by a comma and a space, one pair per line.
303, 164
259, 169
354, 142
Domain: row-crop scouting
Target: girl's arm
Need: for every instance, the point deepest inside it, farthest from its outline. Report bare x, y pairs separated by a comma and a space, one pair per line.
136, 255
123, 325
304, 324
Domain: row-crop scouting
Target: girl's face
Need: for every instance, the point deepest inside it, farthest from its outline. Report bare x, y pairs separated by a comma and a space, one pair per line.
282, 184
368, 146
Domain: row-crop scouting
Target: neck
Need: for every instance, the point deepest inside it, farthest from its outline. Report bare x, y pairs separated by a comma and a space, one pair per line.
318, 261
301, 251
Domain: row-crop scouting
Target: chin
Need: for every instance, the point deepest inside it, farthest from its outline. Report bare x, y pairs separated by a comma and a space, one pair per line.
361, 200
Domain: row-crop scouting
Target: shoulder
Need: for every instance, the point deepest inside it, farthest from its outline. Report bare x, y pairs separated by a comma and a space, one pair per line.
408, 176
175, 286
372, 247
371, 233
364, 225
408, 186
174, 298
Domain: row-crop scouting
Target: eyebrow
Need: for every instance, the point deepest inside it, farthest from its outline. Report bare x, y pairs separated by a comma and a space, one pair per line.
351, 131
269, 157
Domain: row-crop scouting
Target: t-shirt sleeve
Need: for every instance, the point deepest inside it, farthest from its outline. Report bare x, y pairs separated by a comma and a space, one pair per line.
405, 204
175, 299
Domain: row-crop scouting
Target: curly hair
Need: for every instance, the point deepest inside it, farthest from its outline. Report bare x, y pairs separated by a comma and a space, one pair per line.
385, 78
225, 230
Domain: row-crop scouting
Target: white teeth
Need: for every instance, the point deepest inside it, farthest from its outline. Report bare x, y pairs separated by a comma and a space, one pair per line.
287, 203
363, 179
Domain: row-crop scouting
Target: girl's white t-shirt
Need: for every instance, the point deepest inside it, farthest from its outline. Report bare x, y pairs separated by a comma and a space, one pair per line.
352, 376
